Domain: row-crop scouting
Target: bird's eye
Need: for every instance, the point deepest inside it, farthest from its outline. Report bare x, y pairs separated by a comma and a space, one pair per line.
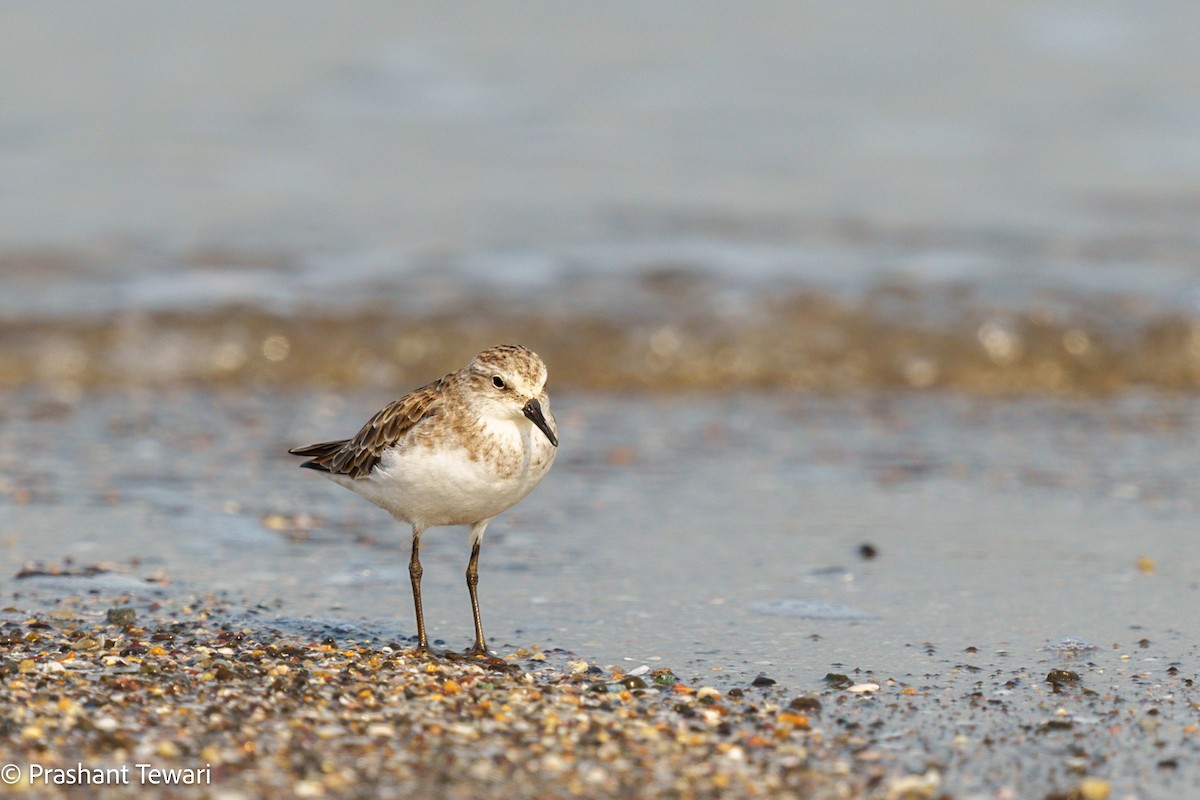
497, 381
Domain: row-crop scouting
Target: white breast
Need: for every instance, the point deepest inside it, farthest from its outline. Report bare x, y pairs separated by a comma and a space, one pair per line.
444, 485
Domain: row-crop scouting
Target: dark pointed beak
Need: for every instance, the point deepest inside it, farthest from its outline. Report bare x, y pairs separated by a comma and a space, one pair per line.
533, 410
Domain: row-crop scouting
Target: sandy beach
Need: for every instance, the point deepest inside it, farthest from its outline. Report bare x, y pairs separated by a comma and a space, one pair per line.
904, 543
873, 337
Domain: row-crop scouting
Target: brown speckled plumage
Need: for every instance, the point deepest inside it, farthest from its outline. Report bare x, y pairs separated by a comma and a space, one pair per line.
457, 451
356, 457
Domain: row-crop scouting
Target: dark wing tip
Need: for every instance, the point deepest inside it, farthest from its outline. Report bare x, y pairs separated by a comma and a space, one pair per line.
319, 454
320, 449
357, 457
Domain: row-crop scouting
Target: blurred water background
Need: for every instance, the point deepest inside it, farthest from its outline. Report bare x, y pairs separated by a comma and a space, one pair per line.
997, 198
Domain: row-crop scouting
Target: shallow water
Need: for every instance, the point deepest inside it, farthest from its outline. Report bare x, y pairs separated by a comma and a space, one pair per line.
993, 200
417, 130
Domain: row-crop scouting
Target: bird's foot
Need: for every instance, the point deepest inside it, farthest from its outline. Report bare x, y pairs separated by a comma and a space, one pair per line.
477, 650
425, 651
474, 652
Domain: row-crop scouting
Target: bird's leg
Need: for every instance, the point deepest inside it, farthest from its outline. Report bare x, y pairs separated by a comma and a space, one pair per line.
479, 648
414, 575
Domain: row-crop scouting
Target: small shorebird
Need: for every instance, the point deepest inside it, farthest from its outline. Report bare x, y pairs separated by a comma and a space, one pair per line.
455, 452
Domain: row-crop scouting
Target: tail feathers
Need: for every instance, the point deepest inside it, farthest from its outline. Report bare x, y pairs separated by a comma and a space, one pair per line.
319, 453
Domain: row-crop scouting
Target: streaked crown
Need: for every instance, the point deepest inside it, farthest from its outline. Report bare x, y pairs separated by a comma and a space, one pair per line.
520, 368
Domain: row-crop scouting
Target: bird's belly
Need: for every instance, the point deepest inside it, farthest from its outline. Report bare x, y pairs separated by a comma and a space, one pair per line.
432, 486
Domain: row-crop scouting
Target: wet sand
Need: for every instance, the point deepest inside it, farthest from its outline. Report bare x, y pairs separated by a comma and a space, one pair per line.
718, 537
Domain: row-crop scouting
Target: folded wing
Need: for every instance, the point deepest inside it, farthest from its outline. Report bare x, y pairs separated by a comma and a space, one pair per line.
358, 456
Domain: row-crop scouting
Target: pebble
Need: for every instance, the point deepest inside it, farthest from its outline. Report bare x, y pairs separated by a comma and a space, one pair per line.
121, 615
279, 715
914, 787
1094, 789
266, 709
